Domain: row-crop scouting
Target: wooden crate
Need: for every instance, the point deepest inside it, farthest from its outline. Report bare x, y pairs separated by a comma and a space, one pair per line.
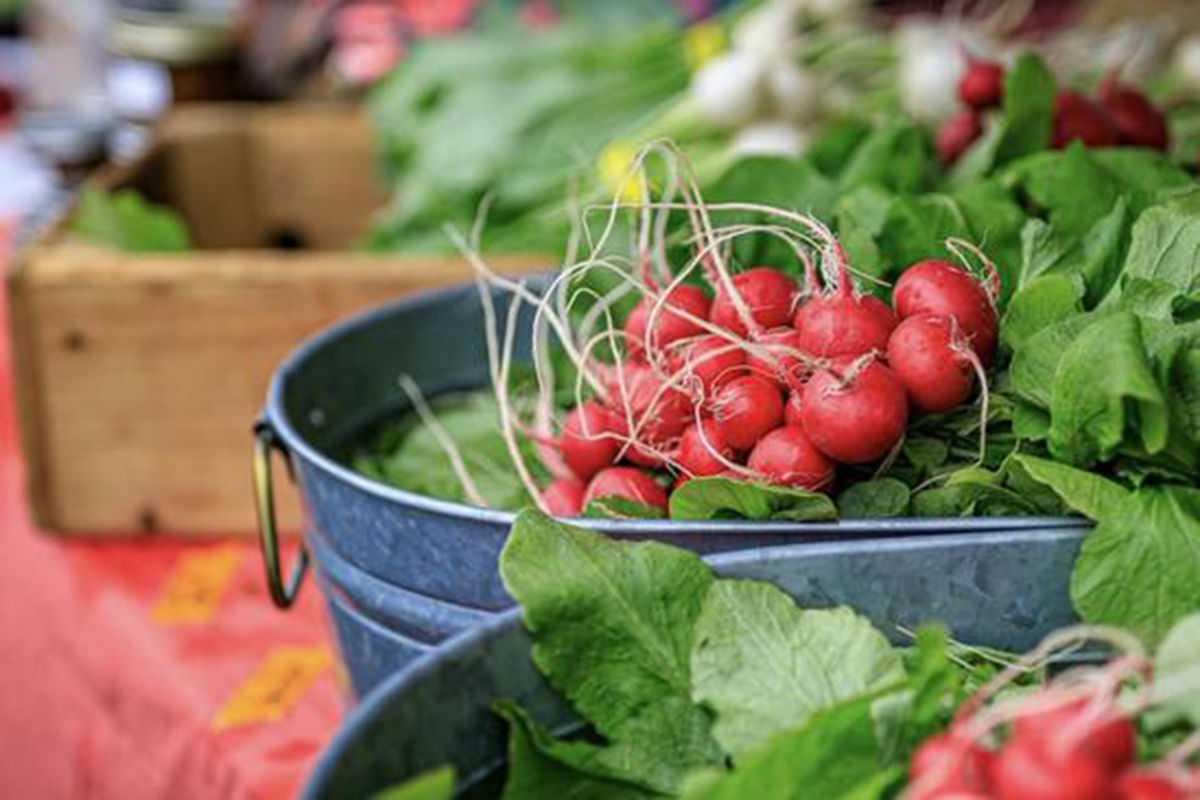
138, 375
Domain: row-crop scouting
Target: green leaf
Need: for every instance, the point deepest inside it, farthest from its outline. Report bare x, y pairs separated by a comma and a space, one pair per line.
1023, 126
833, 148
125, 221
926, 452
729, 498
1037, 304
1030, 422
540, 766
1105, 396
1034, 367
1071, 186
896, 156
436, 784
874, 499
408, 455
614, 507
770, 180
1137, 570
1165, 241
613, 627
1095, 497
1177, 670
763, 665
834, 756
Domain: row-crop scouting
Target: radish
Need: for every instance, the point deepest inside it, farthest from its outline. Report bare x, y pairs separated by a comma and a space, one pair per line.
668, 325
957, 134
699, 448
982, 85
781, 365
711, 361
857, 415
1148, 784
649, 412
728, 89
628, 483
587, 442
930, 358
1109, 738
1137, 121
564, 497
843, 322
794, 91
746, 409
946, 764
769, 138
787, 457
791, 409
1078, 118
1023, 770
940, 288
768, 293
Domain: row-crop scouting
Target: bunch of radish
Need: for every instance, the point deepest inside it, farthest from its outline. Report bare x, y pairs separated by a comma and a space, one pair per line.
1072, 739
1119, 115
765, 379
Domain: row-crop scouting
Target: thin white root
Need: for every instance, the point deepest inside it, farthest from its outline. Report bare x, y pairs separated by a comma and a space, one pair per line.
991, 276
444, 440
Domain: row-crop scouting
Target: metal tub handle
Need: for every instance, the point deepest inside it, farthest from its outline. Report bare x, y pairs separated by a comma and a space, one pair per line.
282, 595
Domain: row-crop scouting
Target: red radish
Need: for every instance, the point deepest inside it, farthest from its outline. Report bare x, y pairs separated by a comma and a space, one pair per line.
982, 85
1078, 118
857, 415
1109, 738
946, 764
587, 443
843, 322
668, 325
927, 353
698, 447
940, 288
628, 483
957, 134
746, 409
564, 497
785, 456
659, 414
1023, 770
1137, 120
1148, 784
768, 294
712, 360
784, 366
791, 409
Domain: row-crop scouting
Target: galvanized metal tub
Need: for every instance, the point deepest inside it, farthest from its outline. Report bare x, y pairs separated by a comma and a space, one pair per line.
1002, 590
407, 547
335, 387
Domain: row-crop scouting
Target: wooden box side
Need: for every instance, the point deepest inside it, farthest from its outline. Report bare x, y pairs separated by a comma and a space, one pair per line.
145, 374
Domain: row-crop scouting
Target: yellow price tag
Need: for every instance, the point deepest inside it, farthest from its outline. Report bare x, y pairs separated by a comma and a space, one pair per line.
197, 585
272, 689
615, 167
701, 43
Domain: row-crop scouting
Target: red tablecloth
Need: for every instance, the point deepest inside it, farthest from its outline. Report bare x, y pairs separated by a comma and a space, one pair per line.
147, 669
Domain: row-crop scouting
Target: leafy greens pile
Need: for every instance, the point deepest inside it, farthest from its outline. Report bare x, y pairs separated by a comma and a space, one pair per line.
125, 220
1095, 403
513, 118
681, 675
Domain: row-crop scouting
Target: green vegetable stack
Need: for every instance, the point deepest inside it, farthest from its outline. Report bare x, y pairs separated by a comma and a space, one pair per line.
715, 689
1092, 401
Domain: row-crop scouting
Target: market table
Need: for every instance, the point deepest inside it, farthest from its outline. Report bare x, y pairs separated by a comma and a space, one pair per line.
146, 668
